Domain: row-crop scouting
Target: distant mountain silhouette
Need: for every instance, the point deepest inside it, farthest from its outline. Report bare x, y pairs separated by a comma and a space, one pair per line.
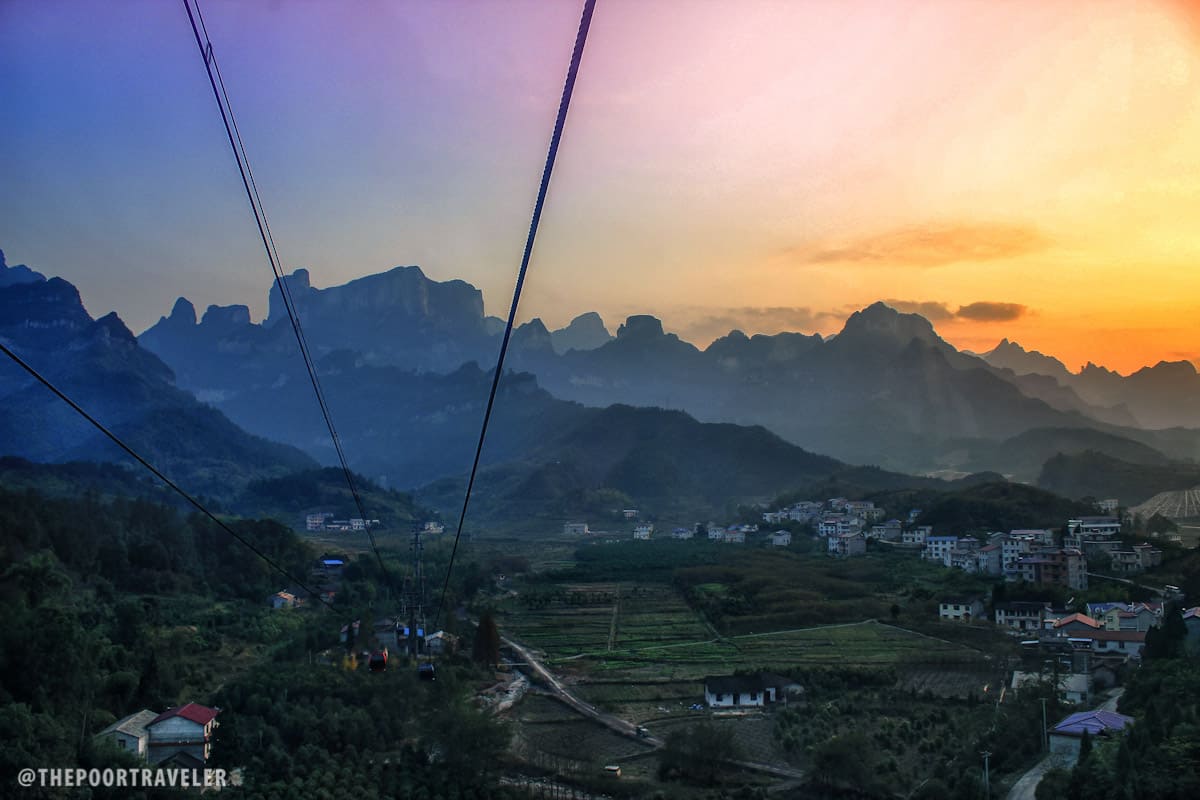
19, 273
585, 332
99, 364
1161, 396
885, 390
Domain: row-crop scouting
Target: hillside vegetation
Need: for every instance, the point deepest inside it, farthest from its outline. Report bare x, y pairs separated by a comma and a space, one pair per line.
1093, 474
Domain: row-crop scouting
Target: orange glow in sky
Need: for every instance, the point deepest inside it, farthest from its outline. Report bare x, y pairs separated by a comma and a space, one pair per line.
1026, 169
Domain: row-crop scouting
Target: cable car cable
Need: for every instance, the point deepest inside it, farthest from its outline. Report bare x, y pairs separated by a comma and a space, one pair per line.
170, 483
568, 88
232, 132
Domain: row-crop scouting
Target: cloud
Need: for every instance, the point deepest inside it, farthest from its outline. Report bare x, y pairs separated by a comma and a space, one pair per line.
702, 325
992, 312
936, 244
929, 309
982, 311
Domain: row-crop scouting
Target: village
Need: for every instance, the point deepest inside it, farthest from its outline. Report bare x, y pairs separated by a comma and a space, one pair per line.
568, 646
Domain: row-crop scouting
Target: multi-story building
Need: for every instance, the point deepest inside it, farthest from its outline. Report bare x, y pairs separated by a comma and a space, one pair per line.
1093, 533
1021, 615
889, 531
846, 545
1014, 548
987, 560
917, 535
1065, 567
1040, 536
939, 549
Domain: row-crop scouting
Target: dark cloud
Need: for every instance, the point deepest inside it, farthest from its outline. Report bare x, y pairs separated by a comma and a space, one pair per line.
704, 325
929, 309
992, 312
936, 244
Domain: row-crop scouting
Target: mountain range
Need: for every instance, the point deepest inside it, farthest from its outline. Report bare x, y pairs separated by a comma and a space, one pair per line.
886, 390
99, 364
640, 413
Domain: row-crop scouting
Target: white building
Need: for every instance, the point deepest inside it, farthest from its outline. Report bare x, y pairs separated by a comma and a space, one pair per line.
576, 529
939, 549
961, 609
781, 539
643, 532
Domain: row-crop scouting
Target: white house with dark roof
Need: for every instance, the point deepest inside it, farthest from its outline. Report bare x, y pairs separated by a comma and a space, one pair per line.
130, 733
748, 691
961, 609
1021, 615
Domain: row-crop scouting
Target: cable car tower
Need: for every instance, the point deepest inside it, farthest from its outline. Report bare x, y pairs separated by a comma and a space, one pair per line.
410, 626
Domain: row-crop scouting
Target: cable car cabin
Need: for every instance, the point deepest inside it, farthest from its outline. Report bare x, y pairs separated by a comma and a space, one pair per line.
426, 672
378, 660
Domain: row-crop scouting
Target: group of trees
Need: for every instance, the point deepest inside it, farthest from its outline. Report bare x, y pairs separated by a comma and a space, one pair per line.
108, 606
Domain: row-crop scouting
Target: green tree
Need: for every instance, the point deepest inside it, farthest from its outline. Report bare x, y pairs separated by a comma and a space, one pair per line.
486, 648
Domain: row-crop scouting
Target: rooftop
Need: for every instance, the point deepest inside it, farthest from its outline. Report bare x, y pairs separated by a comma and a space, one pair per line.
193, 712
133, 725
1094, 722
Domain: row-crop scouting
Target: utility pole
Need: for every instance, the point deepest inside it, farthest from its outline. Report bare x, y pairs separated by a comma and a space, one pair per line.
1045, 740
987, 780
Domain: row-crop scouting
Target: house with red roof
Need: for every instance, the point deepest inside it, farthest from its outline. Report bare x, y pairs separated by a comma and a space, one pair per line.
182, 734
1076, 625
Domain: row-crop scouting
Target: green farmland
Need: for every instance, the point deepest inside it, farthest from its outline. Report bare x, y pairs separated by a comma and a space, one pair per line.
650, 633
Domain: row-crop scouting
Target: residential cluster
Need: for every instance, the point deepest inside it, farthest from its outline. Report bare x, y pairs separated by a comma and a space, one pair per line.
1039, 556
322, 521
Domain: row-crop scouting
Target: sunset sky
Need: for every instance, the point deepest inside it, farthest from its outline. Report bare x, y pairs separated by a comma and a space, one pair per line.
1028, 169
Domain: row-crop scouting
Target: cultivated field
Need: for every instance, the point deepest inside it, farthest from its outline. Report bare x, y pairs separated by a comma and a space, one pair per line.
650, 635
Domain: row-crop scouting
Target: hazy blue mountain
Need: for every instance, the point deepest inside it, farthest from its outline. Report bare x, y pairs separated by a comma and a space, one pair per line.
885, 390
585, 332
1021, 457
18, 273
1011, 355
1161, 396
99, 364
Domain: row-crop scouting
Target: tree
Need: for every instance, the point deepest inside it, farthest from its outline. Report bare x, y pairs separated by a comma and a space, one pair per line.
486, 648
847, 759
895, 612
698, 753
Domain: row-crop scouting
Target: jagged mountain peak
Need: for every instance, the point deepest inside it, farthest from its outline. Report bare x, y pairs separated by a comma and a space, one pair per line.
533, 335
585, 332
183, 312
226, 317
641, 327
113, 329
1178, 369
17, 274
879, 321
1011, 355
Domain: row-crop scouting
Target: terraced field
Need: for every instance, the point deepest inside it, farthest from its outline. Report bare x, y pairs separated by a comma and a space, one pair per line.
654, 636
